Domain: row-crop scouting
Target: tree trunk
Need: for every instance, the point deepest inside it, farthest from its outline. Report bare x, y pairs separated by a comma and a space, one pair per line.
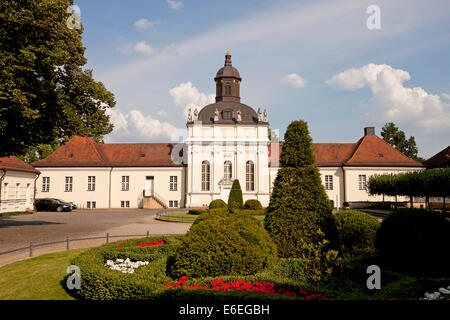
411, 203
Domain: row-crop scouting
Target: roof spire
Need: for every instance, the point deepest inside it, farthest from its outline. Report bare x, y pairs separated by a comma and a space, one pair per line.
228, 58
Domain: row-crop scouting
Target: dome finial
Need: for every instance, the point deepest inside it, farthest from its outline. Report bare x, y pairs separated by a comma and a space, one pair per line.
228, 58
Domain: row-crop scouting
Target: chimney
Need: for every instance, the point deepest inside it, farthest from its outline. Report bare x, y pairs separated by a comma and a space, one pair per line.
369, 131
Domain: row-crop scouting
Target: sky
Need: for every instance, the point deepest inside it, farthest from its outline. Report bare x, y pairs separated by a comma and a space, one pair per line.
339, 65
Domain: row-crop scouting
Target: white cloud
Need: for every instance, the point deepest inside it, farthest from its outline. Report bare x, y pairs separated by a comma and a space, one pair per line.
293, 80
446, 96
144, 23
391, 100
186, 96
134, 124
138, 48
176, 5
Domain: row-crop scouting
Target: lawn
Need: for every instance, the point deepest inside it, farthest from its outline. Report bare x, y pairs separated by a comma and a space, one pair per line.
17, 213
187, 217
37, 278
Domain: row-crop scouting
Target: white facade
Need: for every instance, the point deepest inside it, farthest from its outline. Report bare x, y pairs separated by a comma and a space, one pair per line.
17, 190
221, 144
112, 187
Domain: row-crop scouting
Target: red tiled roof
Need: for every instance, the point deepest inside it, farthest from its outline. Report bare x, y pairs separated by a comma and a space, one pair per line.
85, 152
439, 160
369, 151
14, 163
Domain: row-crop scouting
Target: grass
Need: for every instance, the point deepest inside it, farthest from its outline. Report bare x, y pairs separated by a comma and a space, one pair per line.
17, 213
178, 216
37, 278
186, 217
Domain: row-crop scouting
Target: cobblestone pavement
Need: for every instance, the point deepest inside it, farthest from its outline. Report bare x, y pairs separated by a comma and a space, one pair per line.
18, 231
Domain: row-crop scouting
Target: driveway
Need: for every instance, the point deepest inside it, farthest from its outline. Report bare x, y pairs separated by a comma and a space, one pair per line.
18, 231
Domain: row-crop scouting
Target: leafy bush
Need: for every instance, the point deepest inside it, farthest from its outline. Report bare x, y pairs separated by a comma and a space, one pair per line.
414, 241
99, 282
356, 229
299, 206
218, 203
235, 200
253, 204
219, 243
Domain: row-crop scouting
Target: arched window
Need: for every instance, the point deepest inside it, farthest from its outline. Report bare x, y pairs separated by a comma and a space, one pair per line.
205, 175
227, 170
250, 176
228, 89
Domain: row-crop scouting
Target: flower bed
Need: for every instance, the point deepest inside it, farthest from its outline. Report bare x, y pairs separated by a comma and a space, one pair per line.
125, 266
263, 287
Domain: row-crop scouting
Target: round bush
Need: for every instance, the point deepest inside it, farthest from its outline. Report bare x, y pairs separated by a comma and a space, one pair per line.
356, 230
415, 241
253, 204
99, 282
218, 203
224, 244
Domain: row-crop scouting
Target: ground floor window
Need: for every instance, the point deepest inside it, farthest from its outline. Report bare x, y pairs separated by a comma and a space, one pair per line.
362, 181
173, 203
328, 182
124, 204
91, 204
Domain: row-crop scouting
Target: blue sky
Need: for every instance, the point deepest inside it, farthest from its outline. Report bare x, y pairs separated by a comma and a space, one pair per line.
310, 60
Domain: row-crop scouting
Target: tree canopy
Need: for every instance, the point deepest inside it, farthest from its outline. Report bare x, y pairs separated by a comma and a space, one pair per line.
397, 138
45, 94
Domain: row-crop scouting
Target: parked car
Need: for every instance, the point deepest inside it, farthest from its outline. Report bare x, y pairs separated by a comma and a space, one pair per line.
49, 204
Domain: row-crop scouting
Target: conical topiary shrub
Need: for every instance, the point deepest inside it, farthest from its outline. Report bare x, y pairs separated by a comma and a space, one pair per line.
235, 200
299, 206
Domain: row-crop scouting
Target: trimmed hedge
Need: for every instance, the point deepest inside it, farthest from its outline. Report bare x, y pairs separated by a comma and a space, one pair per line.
235, 200
218, 203
415, 241
219, 243
196, 211
99, 282
299, 205
356, 230
253, 204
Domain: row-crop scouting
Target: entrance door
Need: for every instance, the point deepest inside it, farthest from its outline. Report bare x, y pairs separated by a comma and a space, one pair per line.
148, 191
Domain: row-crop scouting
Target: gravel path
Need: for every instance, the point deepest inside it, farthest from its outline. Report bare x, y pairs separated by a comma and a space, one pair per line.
18, 231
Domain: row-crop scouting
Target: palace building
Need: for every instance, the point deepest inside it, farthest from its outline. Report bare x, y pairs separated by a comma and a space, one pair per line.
226, 140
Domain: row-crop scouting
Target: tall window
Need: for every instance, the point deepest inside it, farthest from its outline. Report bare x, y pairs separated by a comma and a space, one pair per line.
250, 176
328, 182
68, 184
227, 170
91, 183
228, 89
173, 183
362, 181
205, 175
45, 184
125, 183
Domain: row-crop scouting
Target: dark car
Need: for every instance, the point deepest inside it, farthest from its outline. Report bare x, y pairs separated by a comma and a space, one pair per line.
73, 205
52, 205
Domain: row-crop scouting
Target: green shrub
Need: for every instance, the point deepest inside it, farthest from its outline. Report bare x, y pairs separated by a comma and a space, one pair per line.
235, 200
218, 203
99, 282
253, 204
356, 229
219, 243
414, 241
299, 206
